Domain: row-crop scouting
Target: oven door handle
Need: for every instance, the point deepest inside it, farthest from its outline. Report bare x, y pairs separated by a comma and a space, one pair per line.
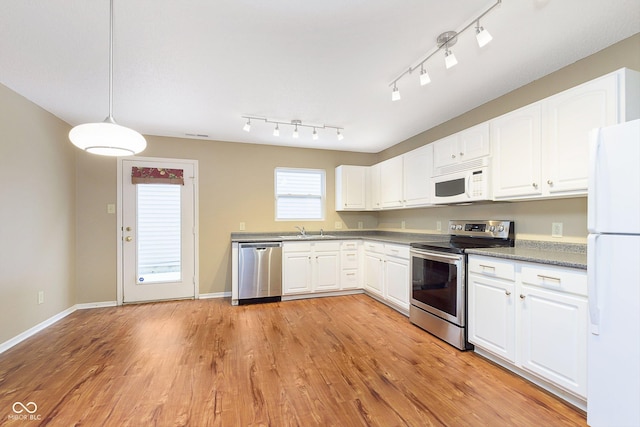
449, 259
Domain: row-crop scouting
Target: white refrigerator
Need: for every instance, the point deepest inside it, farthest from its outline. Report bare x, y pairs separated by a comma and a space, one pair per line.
613, 265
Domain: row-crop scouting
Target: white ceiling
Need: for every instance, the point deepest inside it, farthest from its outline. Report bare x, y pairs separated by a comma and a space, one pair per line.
197, 66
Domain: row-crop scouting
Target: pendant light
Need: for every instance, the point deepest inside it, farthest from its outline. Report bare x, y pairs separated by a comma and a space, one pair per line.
108, 138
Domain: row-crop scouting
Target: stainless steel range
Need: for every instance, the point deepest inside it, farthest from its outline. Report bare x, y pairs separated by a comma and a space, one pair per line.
439, 277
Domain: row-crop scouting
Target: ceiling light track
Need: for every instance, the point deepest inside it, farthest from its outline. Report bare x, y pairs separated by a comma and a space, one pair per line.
445, 41
293, 123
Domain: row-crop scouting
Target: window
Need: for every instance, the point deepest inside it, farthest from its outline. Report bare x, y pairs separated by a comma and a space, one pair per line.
299, 194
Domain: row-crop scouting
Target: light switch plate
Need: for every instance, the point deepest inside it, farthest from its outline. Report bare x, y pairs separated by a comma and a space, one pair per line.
438, 225
556, 229
243, 226
111, 208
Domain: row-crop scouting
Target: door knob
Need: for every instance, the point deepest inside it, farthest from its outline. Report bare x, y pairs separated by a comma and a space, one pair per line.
128, 228
128, 238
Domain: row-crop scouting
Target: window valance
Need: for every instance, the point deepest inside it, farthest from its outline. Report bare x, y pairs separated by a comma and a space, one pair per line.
156, 176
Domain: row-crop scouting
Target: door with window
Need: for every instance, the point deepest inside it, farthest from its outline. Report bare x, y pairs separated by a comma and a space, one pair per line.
158, 230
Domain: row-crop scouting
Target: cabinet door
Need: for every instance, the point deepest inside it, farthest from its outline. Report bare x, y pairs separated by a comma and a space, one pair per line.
418, 168
492, 316
516, 148
373, 187
397, 281
445, 151
350, 188
373, 273
473, 143
297, 273
554, 337
571, 115
391, 183
326, 276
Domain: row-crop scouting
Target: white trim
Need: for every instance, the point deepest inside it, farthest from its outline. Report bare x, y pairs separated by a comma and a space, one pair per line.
101, 304
34, 330
196, 224
215, 295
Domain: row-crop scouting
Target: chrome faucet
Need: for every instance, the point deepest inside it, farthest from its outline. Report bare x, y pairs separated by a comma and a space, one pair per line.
303, 232
321, 232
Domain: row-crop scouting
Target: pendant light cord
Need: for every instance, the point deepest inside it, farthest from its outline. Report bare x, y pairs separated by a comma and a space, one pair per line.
110, 118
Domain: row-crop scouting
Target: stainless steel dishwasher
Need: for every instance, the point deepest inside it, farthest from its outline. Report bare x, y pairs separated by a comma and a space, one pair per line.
260, 272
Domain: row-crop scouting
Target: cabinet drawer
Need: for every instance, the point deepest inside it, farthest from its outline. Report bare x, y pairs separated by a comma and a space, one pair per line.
492, 267
562, 279
400, 251
374, 247
349, 245
349, 260
350, 279
296, 247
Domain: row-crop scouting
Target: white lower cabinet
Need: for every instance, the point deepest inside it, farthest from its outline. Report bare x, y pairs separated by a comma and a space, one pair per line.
310, 267
532, 316
387, 273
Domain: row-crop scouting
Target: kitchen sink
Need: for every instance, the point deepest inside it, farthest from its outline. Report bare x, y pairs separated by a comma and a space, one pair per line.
306, 237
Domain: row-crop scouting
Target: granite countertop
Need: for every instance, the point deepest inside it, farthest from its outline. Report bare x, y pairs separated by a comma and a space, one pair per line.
381, 236
571, 255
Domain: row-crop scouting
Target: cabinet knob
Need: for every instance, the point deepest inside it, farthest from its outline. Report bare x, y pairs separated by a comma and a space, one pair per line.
453, 156
522, 296
549, 182
461, 154
534, 185
507, 293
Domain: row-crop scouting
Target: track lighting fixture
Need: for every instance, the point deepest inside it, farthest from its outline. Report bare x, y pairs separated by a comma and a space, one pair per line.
296, 124
444, 42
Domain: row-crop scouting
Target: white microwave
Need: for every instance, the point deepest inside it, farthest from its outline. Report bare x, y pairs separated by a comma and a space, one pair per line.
465, 186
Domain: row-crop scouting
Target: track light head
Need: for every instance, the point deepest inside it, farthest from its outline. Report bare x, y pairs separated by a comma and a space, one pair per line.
482, 36
247, 126
449, 59
395, 93
339, 135
314, 135
424, 76
276, 131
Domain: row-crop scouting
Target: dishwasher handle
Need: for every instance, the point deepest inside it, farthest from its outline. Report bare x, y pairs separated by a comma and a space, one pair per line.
260, 245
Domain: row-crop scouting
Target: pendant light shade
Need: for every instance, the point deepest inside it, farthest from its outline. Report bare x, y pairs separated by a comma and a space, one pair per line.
108, 138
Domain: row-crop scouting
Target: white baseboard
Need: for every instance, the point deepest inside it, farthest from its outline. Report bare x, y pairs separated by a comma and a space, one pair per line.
215, 295
32, 331
102, 304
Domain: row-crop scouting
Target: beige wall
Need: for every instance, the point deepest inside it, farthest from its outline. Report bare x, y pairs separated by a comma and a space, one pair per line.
235, 185
37, 218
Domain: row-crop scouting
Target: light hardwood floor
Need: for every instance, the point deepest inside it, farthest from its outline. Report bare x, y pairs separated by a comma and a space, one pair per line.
341, 361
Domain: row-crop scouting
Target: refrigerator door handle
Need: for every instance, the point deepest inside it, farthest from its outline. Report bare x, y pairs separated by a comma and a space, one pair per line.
592, 289
594, 148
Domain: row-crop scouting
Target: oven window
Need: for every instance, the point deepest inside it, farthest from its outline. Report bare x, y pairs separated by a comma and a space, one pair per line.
450, 188
435, 284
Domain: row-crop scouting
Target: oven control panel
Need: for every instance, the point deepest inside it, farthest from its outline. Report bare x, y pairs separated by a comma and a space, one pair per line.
482, 228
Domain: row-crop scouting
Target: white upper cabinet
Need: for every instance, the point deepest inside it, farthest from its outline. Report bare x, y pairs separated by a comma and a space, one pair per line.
516, 147
391, 185
373, 188
542, 150
464, 146
417, 171
351, 188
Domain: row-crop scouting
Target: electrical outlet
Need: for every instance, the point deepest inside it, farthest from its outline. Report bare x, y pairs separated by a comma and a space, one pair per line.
360, 225
41, 297
556, 229
438, 225
243, 226
403, 224
338, 225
